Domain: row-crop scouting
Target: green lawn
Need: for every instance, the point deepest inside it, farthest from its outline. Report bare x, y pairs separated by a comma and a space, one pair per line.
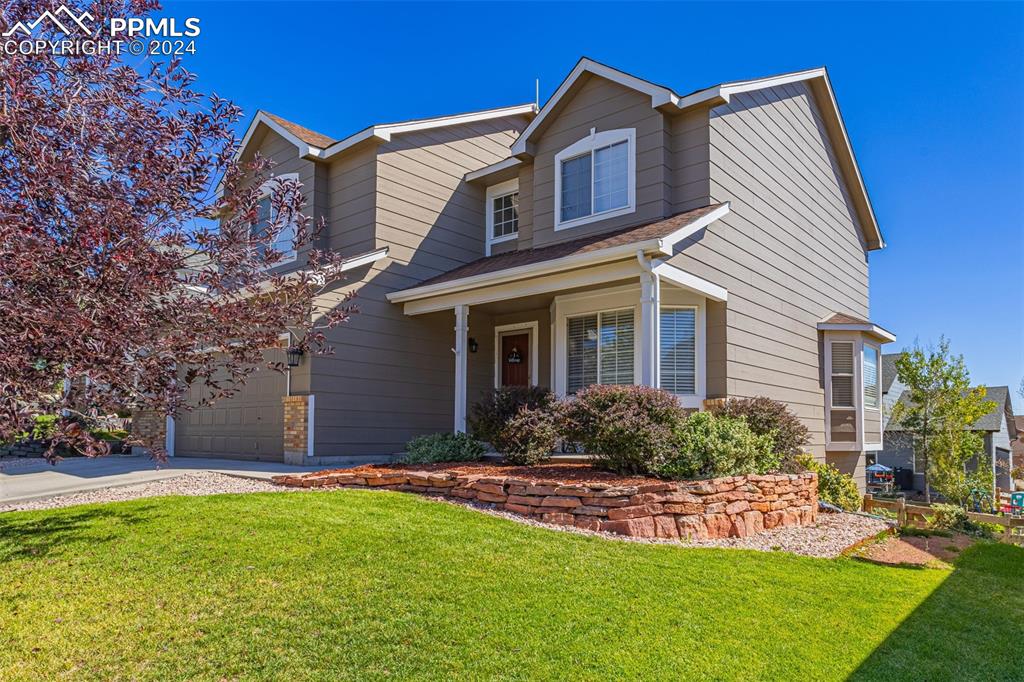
359, 584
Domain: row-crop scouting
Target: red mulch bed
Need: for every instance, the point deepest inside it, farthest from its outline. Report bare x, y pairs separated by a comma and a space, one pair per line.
563, 473
915, 550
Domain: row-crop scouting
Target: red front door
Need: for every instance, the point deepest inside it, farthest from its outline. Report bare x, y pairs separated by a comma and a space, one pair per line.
515, 360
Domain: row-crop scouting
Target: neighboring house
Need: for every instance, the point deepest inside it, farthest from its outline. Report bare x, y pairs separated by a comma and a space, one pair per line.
714, 244
998, 429
1017, 449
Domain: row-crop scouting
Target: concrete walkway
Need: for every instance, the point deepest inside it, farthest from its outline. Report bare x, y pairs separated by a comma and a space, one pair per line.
23, 480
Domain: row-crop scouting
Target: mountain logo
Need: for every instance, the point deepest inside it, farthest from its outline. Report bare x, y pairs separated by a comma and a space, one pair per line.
70, 19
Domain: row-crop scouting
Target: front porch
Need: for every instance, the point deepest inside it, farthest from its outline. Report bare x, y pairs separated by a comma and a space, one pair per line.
637, 320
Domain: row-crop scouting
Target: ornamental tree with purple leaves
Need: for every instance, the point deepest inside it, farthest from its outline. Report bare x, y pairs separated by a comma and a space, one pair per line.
129, 266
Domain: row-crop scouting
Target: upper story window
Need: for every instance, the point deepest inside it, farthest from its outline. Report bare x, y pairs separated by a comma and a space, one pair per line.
595, 178
872, 379
265, 218
502, 213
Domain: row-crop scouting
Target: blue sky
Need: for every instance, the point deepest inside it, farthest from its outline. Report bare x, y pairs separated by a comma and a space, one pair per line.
932, 95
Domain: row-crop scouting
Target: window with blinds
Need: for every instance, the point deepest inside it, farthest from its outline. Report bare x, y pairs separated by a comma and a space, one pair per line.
679, 350
600, 349
872, 380
842, 374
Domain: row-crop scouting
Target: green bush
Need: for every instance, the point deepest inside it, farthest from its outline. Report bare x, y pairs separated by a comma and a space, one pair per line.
767, 417
627, 429
707, 446
43, 426
109, 434
529, 436
947, 517
489, 417
834, 487
953, 517
443, 447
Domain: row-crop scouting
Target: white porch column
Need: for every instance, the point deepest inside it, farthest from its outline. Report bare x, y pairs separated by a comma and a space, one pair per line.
461, 349
650, 329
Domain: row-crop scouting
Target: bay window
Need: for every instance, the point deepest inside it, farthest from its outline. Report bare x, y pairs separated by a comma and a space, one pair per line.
595, 178
872, 379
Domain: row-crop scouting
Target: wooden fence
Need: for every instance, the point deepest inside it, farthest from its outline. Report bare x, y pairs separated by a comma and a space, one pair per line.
918, 514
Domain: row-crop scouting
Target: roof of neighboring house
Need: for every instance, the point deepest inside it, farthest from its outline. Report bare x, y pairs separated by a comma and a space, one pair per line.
639, 233
305, 134
888, 370
993, 421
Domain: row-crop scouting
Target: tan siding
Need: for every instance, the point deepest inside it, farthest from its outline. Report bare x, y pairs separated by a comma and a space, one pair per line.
392, 377
689, 148
789, 252
285, 159
603, 105
525, 240
351, 187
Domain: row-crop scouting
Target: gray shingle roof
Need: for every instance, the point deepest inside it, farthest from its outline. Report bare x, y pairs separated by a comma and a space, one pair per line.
888, 370
993, 421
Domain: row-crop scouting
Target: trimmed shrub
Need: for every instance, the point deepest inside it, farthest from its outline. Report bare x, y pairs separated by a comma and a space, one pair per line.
947, 517
769, 417
442, 447
834, 486
628, 429
529, 436
489, 417
707, 446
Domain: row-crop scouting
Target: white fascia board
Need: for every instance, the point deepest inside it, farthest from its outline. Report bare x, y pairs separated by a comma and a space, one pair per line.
874, 330
659, 95
383, 132
363, 259
666, 243
304, 148
524, 271
504, 164
691, 282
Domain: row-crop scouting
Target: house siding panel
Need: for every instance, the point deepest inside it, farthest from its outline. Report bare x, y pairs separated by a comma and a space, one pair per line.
603, 105
391, 378
790, 251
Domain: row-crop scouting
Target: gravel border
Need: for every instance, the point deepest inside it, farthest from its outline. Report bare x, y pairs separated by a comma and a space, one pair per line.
830, 537
196, 483
833, 534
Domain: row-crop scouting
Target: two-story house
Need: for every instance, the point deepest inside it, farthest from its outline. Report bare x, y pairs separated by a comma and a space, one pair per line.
713, 244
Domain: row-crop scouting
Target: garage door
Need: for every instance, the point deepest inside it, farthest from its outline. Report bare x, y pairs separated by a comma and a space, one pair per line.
247, 426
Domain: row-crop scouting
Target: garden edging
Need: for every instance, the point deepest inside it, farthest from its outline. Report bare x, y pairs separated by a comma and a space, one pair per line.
733, 506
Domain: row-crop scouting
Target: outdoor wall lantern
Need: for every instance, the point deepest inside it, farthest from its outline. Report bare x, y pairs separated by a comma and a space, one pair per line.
294, 356
473, 345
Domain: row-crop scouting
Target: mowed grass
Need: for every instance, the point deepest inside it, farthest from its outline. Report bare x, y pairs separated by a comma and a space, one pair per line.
370, 585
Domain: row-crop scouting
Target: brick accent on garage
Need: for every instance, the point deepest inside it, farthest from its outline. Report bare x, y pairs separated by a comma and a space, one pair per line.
296, 428
150, 427
735, 506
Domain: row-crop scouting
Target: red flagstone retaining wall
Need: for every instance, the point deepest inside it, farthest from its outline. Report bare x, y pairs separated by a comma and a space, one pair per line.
735, 506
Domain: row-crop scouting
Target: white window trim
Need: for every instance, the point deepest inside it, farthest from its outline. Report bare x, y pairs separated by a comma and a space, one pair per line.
532, 327
266, 189
494, 192
620, 298
588, 144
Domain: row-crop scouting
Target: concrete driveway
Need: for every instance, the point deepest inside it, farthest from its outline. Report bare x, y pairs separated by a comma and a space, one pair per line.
23, 480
